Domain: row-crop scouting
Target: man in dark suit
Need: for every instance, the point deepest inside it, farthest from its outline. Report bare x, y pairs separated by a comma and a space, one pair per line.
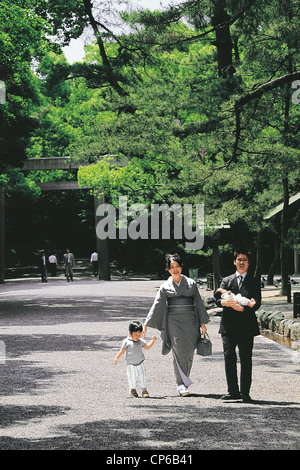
238, 325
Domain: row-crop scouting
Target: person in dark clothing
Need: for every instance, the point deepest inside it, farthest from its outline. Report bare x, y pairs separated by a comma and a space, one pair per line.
239, 327
43, 266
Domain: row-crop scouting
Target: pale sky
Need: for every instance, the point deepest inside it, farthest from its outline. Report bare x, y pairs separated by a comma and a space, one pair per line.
75, 51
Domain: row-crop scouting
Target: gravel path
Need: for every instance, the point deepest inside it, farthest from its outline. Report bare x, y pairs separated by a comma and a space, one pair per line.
60, 389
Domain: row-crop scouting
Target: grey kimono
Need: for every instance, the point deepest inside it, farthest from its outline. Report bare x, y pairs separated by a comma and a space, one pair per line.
178, 312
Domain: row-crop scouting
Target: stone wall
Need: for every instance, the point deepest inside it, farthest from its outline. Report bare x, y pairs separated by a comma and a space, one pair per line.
279, 323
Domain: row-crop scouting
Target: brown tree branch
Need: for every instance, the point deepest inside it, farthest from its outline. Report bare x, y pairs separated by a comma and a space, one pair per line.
109, 71
268, 86
257, 93
243, 100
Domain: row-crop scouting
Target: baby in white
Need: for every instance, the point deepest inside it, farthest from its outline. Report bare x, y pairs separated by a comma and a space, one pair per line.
238, 298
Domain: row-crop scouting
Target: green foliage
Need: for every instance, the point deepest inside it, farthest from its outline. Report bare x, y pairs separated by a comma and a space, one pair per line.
67, 19
181, 113
168, 111
16, 182
21, 35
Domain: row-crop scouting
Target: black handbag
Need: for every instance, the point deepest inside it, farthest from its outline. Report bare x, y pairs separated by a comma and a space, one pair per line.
204, 346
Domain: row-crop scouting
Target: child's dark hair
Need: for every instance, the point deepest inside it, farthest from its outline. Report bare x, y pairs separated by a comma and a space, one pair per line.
135, 326
170, 258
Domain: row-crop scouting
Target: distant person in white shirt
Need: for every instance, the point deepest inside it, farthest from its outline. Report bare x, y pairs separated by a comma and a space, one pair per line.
94, 261
53, 264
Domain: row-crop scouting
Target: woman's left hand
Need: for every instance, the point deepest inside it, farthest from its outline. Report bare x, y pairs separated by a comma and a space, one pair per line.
144, 331
204, 329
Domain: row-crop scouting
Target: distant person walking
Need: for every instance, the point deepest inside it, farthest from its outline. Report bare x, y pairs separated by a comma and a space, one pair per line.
43, 266
94, 261
69, 263
53, 265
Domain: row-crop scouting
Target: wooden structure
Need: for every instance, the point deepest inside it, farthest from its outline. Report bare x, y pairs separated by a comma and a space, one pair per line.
57, 163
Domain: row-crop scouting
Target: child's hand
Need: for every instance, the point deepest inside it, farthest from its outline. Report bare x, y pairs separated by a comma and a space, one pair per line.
154, 338
116, 361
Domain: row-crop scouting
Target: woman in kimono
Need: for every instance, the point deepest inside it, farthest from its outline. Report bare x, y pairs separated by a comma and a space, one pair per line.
178, 313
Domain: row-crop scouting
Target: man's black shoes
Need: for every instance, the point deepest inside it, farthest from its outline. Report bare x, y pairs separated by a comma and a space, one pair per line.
246, 399
231, 396
237, 396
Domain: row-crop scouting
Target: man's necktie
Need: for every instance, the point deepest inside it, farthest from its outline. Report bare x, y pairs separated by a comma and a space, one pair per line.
240, 281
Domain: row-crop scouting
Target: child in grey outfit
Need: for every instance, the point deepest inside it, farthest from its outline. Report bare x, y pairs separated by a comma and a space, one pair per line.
133, 345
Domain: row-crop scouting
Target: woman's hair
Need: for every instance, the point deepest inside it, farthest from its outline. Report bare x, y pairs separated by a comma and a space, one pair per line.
170, 258
135, 326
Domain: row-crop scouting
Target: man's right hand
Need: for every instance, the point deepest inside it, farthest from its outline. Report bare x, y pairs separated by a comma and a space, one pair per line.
231, 303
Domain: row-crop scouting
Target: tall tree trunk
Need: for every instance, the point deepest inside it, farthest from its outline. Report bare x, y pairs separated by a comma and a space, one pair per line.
2, 234
284, 230
259, 254
223, 39
216, 267
108, 68
275, 263
102, 245
284, 214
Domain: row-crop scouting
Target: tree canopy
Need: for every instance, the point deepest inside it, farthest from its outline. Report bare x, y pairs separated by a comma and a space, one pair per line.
193, 103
